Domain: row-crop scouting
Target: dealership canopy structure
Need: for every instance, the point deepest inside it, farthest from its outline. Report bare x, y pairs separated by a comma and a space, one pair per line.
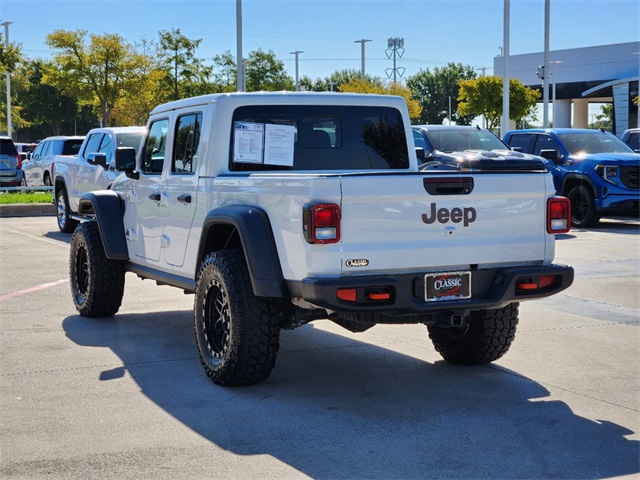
601, 74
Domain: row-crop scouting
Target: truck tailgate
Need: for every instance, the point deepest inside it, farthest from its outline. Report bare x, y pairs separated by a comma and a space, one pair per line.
391, 222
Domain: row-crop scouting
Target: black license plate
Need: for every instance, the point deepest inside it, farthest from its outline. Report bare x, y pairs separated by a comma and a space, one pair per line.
439, 287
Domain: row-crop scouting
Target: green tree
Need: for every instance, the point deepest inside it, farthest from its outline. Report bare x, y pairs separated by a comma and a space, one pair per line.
225, 73
97, 73
484, 96
146, 88
46, 106
185, 73
433, 90
265, 72
363, 86
604, 119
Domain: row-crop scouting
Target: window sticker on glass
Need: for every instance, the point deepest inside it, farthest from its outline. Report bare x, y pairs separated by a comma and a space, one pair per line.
248, 142
278, 144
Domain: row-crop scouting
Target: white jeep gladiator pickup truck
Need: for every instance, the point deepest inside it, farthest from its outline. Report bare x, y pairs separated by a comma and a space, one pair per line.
92, 169
277, 209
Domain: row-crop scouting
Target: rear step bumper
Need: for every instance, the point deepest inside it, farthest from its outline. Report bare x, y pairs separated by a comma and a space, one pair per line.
490, 288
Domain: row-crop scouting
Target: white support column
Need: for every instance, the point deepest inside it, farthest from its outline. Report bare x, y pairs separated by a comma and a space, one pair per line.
580, 113
562, 113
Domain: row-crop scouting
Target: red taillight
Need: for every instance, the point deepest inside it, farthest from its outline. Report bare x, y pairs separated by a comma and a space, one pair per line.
347, 294
536, 283
18, 161
51, 170
321, 223
558, 215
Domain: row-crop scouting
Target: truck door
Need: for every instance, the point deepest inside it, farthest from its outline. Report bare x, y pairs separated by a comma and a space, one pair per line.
181, 186
147, 199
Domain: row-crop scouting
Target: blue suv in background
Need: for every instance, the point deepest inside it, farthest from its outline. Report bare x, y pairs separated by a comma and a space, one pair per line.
596, 170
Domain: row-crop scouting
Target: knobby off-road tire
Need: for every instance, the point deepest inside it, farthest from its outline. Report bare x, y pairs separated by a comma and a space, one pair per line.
66, 224
487, 337
237, 333
583, 207
97, 283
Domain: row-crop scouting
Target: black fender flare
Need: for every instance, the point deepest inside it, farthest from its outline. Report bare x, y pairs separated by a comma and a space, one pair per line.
108, 209
258, 243
580, 178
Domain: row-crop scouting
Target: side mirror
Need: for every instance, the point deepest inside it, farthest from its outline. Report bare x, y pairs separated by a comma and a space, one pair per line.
98, 159
126, 161
551, 154
28, 155
420, 154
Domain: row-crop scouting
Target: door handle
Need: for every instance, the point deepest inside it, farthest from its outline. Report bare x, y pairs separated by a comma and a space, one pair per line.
184, 198
155, 197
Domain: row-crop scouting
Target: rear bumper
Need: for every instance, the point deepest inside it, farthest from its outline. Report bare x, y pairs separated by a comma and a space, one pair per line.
490, 288
13, 180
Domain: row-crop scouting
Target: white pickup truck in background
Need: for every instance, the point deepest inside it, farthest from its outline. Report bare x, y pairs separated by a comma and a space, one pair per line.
92, 169
277, 209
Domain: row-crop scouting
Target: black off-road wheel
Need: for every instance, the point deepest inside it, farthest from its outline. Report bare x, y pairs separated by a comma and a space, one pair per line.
237, 333
97, 283
486, 338
583, 207
66, 224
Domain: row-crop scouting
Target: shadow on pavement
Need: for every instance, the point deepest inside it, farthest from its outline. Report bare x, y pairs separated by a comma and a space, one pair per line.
335, 407
57, 235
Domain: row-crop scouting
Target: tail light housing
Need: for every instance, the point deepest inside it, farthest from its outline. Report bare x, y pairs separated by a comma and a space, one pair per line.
321, 223
18, 161
558, 215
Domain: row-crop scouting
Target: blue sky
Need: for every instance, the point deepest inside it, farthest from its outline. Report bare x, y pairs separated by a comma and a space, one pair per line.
435, 31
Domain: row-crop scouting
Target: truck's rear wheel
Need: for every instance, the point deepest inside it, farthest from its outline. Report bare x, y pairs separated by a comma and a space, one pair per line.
97, 283
486, 338
66, 224
237, 333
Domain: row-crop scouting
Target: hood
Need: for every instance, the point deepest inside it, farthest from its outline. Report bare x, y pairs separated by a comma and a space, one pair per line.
485, 160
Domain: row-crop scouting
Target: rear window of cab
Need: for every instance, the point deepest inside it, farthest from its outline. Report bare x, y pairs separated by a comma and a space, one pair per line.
314, 137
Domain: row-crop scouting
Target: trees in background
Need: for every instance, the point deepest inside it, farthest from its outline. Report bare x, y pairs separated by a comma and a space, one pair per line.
483, 96
376, 86
433, 90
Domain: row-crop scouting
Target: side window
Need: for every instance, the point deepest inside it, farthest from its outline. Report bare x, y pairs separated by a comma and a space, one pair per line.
634, 141
419, 141
187, 140
56, 147
106, 147
154, 147
545, 142
523, 141
93, 144
46, 148
37, 153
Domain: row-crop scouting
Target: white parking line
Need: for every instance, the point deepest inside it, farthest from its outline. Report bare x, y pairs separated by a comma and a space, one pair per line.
33, 289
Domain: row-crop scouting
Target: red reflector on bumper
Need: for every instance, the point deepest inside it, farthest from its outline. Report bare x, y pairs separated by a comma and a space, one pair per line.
347, 294
379, 296
536, 283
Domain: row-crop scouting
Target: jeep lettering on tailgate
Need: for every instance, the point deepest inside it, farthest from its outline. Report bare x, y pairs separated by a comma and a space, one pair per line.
466, 215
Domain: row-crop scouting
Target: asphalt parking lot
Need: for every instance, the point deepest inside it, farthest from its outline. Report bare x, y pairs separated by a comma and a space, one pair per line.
126, 397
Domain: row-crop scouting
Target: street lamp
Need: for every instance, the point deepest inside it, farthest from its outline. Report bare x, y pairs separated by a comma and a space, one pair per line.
638, 53
8, 77
362, 42
553, 86
296, 53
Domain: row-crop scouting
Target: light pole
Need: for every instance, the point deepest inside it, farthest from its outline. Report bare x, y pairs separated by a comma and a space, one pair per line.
504, 124
638, 53
296, 53
361, 42
8, 77
553, 87
239, 59
545, 81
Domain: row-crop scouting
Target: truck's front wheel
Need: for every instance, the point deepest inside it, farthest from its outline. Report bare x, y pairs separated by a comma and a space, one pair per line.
237, 333
486, 338
97, 283
583, 207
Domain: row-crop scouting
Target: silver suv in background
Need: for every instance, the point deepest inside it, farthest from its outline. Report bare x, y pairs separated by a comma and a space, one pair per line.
11, 174
37, 168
